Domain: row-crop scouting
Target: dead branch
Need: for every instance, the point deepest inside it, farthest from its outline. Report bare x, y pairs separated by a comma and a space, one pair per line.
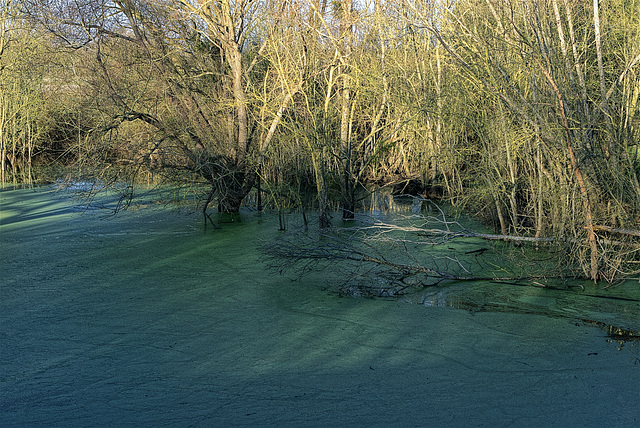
395, 259
389, 265
610, 229
447, 234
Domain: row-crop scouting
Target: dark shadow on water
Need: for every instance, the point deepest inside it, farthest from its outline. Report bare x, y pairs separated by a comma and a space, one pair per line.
44, 202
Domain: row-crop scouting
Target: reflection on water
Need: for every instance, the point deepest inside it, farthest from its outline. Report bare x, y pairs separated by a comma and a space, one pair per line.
384, 202
437, 299
620, 335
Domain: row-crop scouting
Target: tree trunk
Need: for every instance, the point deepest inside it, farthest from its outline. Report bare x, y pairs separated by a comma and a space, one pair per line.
230, 202
232, 189
346, 147
240, 98
586, 203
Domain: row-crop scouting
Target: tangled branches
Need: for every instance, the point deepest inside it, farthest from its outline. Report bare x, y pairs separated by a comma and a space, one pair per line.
382, 259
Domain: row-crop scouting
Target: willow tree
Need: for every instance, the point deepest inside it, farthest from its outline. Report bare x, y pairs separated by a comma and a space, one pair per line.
199, 78
259, 79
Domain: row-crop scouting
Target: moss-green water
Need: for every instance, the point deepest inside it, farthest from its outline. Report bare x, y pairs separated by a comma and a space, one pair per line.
146, 319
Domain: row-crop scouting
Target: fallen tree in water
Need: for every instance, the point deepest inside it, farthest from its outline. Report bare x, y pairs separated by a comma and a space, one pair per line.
377, 258
371, 268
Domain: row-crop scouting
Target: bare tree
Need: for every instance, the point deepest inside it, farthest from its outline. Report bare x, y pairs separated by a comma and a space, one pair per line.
20, 94
199, 76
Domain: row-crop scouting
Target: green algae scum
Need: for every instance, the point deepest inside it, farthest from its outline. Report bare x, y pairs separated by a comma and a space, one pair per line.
148, 319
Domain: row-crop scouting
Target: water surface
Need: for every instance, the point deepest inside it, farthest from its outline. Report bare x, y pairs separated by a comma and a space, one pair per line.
147, 319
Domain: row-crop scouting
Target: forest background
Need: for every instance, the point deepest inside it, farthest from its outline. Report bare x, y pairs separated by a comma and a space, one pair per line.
522, 112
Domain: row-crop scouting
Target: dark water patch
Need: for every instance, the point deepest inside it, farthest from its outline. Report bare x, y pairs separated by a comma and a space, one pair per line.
615, 315
617, 334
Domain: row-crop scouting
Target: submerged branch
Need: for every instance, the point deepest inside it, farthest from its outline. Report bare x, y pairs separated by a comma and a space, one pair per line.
422, 250
464, 233
392, 264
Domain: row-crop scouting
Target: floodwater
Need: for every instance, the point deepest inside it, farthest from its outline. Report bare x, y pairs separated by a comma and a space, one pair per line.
148, 319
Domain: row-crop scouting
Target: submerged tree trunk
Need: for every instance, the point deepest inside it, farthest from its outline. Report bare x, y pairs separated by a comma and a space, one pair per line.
232, 190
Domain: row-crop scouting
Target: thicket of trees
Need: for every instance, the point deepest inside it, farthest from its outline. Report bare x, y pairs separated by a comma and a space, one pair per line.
524, 112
